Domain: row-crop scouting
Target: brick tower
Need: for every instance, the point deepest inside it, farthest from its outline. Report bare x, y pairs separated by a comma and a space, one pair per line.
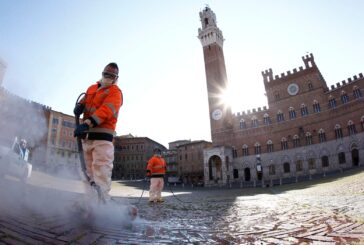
212, 42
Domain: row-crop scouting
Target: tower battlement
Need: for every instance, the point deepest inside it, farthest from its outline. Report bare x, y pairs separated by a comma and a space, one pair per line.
268, 76
209, 33
309, 60
346, 82
250, 111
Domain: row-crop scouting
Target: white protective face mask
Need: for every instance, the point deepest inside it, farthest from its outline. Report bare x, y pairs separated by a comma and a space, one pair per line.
106, 81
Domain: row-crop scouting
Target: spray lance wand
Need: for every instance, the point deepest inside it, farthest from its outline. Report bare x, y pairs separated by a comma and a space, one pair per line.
80, 107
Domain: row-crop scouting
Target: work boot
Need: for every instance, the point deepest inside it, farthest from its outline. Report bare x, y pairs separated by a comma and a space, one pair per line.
160, 200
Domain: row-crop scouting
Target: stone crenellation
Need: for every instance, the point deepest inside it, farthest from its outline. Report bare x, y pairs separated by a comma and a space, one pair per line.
250, 111
308, 60
346, 82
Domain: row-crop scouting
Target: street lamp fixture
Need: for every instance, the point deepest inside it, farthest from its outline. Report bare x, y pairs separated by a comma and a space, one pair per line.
258, 164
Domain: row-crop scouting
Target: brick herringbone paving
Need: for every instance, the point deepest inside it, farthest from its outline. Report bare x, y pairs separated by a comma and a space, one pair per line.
329, 212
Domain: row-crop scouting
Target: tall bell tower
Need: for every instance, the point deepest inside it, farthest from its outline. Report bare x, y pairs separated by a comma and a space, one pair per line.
212, 42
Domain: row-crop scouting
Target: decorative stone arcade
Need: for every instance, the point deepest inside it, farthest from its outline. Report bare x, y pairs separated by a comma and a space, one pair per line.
218, 168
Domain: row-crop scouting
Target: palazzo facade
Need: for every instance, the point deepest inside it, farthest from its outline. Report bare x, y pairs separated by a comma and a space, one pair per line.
308, 129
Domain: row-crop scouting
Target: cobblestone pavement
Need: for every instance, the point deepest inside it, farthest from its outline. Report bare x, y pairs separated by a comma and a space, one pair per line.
326, 212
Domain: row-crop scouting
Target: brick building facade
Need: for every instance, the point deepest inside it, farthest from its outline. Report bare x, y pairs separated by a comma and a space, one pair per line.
307, 129
190, 161
62, 151
131, 156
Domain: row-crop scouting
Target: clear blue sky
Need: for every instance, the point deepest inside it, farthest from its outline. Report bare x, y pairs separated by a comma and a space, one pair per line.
55, 49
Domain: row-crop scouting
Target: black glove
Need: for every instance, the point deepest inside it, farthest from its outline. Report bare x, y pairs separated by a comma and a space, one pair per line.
81, 130
148, 174
78, 109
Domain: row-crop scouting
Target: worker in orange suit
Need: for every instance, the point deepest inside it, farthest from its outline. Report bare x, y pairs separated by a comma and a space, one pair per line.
156, 169
100, 107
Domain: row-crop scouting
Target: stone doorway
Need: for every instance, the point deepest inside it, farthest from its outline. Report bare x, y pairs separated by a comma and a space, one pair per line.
355, 157
247, 174
215, 168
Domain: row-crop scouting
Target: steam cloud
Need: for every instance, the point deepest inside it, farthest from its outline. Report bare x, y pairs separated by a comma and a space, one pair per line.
49, 192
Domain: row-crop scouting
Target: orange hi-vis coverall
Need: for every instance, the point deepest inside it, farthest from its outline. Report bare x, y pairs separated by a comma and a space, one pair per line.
156, 169
102, 106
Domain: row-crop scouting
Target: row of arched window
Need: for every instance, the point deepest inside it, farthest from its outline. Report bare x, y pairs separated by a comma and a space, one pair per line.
311, 164
316, 108
298, 141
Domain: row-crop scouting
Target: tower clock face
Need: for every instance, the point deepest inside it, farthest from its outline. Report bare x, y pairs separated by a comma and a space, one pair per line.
292, 89
217, 114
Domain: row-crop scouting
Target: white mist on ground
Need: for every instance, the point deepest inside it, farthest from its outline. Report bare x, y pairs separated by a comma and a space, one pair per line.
50, 192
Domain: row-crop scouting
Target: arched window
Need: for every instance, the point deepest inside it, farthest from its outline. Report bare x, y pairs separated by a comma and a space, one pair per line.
296, 141
356, 92
344, 97
236, 173
284, 144
254, 122
280, 116
332, 102
292, 113
242, 124
341, 157
266, 119
316, 106
245, 150
286, 167
338, 131
310, 86
321, 135
235, 153
269, 146
276, 95
309, 138
325, 161
304, 111
351, 128
257, 148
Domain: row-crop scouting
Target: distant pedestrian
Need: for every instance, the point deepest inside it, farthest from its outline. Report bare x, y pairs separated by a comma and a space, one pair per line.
24, 152
156, 169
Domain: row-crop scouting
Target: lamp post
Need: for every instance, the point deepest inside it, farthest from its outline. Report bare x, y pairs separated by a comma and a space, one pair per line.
259, 169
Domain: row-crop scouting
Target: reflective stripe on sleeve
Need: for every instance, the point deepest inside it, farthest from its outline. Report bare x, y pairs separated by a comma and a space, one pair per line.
97, 119
112, 108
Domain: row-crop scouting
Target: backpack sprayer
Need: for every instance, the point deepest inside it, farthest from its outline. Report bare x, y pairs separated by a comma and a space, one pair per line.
80, 151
